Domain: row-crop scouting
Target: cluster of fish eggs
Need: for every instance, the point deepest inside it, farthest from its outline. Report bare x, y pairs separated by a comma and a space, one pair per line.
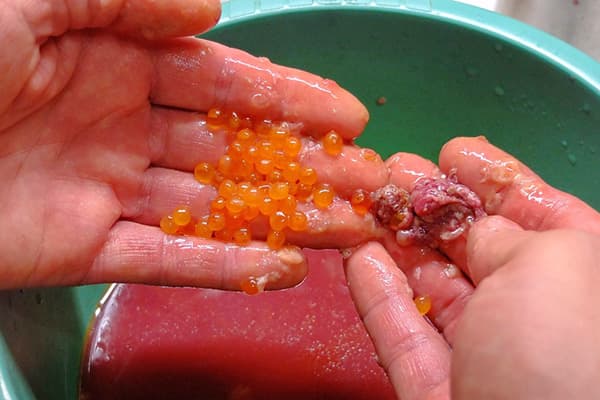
260, 174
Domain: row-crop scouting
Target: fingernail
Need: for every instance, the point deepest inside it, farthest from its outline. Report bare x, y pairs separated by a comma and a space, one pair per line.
291, 255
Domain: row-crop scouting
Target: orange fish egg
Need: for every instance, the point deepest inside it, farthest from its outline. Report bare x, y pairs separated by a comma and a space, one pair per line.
235, 204
275, 239
216, 221
246, 136
298, 222
234, 121
182, 216
250, 213
279, 190
291, 171
288, 204
242, 236
280, 160
236, 150
216, 118
265, 149
204, 173
268, 206
333, 144
361, 201
323, 196
264, 166
218, 203
308, 176
292, 146
423, 304
202, 229
275, 176
278, 220
168, 225
227, 189
250, 286
252, 196
225, 164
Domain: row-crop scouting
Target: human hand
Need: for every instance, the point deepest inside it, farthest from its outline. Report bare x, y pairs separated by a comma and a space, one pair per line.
528, 325
101, 122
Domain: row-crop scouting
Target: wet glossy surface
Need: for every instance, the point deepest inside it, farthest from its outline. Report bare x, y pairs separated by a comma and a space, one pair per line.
440, 79
302, 343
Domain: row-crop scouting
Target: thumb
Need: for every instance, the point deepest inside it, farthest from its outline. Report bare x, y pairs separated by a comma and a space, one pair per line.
491, 243
151, 19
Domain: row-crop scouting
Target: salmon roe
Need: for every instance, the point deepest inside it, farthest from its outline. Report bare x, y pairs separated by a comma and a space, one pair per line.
333, 144
250, 286
260, 177
423, 304
361, 201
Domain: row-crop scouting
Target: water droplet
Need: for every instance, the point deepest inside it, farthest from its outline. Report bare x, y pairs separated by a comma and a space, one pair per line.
498, 47
259, 100
564, 143
572, 159
581, 143
586, 108
592, 150
472, 71
499, 90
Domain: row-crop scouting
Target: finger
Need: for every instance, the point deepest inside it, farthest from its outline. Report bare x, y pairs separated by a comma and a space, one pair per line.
181, 140
431, 274
158, 19
197, 75
354, 168
509, 188
336, 227
151, 19
415, 357
496, 242
492, 242
405, 170
163, 190
137, 253
38, 66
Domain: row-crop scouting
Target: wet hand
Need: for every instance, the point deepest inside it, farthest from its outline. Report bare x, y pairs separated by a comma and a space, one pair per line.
102, 119
513, 302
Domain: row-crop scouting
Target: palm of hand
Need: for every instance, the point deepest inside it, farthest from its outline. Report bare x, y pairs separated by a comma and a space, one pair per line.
74, 165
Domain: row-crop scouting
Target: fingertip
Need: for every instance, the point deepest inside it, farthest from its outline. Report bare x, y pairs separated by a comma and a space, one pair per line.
293, 265
371, 273
413, 354
260, 268
488, 244
362, 117
406, 168
455, 146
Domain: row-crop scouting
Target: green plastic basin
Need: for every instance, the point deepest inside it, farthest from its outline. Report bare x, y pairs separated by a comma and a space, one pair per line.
446, 69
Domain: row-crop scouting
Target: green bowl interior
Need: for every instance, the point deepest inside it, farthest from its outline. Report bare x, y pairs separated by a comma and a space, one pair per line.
441, 78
